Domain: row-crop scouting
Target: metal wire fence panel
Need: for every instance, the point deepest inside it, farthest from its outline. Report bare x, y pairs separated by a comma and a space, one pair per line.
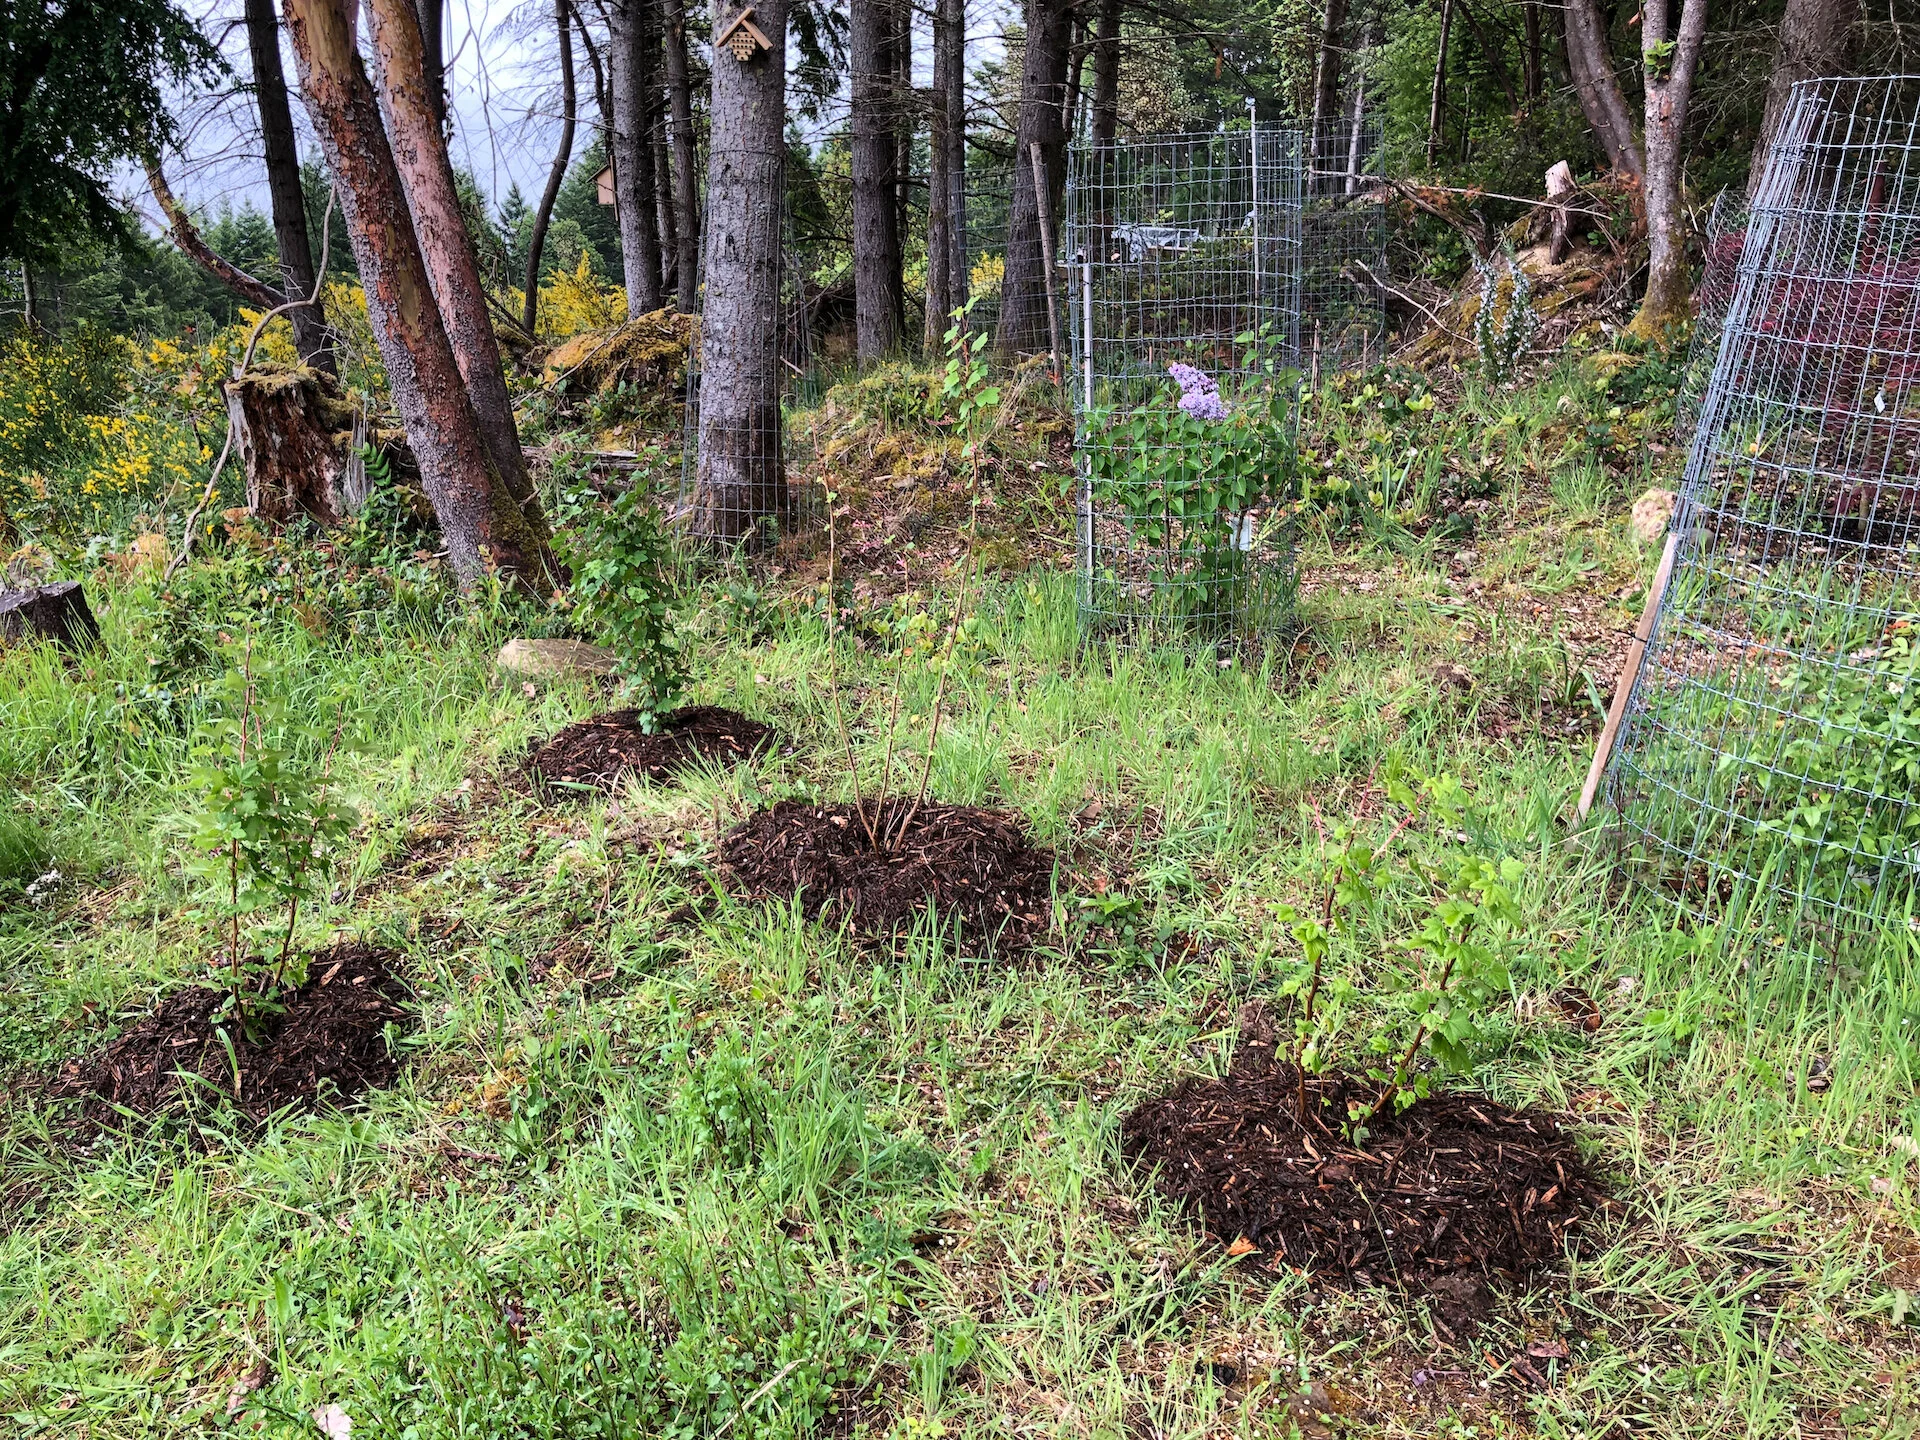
1182, 255
1343, 249
1726, 233
1770, 762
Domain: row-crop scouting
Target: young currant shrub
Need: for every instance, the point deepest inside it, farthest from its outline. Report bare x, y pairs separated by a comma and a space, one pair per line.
623, 582
1440, 984
970, 399
266, 829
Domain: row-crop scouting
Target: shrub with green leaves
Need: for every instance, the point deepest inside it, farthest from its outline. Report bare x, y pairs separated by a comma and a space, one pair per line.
622, 577
266, 827
1197, 474
1436, 986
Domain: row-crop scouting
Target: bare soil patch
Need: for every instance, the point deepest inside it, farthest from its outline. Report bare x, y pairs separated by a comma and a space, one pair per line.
1455, 1186
598, 752
327, 1046
968, 864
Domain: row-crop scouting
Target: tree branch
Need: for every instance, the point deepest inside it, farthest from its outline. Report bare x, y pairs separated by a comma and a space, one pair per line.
255, 292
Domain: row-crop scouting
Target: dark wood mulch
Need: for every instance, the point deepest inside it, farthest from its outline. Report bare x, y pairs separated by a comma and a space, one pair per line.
1455, 1183
598, 752
328, 1045
969, 864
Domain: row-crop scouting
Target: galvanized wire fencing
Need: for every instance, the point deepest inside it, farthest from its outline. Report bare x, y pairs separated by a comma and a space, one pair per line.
1343, 249
1726, 233
1183, 258
1770, 762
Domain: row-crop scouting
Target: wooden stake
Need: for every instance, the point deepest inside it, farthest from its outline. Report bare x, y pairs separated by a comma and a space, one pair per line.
1629, 672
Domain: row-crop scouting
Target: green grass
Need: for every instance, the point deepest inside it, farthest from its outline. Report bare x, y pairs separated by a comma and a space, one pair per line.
720, 1157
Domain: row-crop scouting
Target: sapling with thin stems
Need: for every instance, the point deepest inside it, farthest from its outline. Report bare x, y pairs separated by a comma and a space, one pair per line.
266, 827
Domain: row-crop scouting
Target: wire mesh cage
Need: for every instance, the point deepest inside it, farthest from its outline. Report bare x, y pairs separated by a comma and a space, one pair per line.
1343, 248
1183, 262
1770, 760
1724, 235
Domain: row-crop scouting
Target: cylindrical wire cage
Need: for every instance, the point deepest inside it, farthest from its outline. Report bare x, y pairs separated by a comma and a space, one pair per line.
1182, 255
1770, 762
1343, 249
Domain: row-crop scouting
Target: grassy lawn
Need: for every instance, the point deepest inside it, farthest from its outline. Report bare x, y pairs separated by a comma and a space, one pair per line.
663, 1163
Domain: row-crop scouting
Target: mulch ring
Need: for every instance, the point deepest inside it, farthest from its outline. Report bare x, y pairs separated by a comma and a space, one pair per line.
1455, 1188
598, 752
328, 1044
966, 863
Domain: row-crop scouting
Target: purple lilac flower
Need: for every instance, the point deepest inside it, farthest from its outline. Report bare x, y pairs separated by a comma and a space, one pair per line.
1199, 396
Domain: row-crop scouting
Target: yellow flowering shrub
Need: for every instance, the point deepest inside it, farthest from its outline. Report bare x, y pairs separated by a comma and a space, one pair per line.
576, 300
78, 431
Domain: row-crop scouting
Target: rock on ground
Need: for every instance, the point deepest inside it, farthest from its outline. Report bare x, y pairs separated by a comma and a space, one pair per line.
549, 659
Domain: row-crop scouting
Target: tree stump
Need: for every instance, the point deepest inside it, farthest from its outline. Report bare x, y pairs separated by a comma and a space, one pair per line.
56, 612
1560, 188
291, 431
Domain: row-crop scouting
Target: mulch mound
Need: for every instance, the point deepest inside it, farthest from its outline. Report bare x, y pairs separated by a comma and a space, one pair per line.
1455, 1183
329, 1043
966, 863
599, 751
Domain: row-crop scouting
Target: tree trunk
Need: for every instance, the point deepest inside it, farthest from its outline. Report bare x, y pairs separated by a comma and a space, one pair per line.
1669, 81
876, 237
941, 296
1531, 59
285, 423
663, 207
419, 149
1326, 81
953, 99
1043, 80
483, 524
1106, 74
433, 58
900, 53
1590, 61
1816, 38
1436, 111
557, 174
1356, 133
309, 323
630, 47
686, 177
1079, 42
740, 475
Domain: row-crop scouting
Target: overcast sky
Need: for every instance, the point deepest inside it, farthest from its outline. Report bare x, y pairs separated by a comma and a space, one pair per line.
504, 91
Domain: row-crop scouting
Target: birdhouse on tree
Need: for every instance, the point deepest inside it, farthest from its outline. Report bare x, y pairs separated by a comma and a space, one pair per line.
743, 39
603, 185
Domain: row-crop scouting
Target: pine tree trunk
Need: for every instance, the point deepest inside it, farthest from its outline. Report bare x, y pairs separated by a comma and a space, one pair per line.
941, 301
953, 101
484, 525
631, 44
876, 234
686, 174
1043, 82
1590, 62
440, 226
557, 173
1669, 82
1817, 38
740, 476
309, 323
